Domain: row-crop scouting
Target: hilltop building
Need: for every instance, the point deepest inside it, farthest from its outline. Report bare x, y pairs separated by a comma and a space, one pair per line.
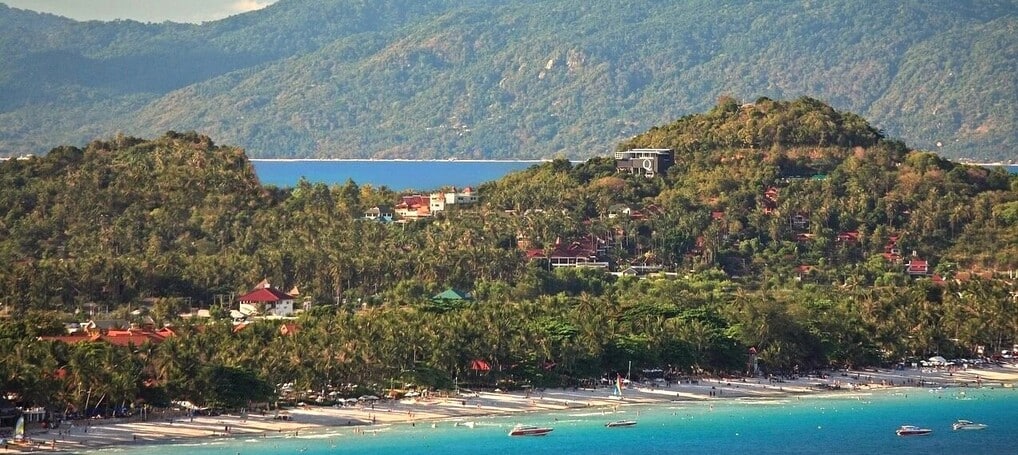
646, 162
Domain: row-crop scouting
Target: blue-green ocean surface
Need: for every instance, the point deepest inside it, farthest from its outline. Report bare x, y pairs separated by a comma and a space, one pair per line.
843, 424
399, 175
420, 175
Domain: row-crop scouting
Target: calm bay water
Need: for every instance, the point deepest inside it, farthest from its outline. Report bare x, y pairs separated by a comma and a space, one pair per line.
397, 175
842, 424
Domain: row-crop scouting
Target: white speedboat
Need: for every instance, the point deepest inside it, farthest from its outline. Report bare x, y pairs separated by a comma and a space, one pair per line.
967, 425
912, 430
529, 430
620, 423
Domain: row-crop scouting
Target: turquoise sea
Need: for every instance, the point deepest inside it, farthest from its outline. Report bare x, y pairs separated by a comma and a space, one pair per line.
421, 175
840, 424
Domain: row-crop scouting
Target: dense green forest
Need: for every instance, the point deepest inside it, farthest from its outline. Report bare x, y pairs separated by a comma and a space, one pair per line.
748, 229
493, 79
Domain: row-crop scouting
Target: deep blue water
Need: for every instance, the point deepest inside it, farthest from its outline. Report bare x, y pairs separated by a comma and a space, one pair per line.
858, 424
397, 175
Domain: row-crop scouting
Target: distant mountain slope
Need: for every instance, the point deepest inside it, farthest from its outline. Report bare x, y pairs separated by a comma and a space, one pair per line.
524, 79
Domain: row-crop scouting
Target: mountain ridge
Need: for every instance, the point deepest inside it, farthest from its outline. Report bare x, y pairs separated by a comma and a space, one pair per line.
535, 79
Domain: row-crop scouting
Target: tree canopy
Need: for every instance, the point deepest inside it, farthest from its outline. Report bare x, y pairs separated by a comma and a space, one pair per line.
785, 226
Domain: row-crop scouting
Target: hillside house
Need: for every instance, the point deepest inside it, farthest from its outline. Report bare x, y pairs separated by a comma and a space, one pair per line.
917, 267
119, 337
770, 201
414, 207
891, 251
574, 254
848, 237
438, 202
803, 271
452, 295
645, 162
619, 211
381, 213
268, 301
799, 220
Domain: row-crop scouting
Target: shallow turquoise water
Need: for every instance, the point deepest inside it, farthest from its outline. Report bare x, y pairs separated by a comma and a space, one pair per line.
839, 425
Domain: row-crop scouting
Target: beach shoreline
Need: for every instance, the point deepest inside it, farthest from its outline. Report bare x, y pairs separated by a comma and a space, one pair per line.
370, 417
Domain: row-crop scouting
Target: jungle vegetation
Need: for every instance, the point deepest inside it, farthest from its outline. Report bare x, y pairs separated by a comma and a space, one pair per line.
751, 225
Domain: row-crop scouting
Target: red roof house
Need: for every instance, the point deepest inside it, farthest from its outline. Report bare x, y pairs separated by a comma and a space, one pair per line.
917, 267
575, 254
848, 236
269, 300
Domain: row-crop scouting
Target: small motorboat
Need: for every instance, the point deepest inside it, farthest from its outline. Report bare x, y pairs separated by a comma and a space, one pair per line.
529, 430
620, 423
912, 430
967, 425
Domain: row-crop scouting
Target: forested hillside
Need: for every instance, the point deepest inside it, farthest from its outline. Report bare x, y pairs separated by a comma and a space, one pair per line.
522, 79
787, 226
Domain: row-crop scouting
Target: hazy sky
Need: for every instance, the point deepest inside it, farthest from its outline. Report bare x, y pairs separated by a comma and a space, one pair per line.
142, 10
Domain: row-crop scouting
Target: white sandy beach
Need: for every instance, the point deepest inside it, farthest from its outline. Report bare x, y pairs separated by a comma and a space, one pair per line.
76, 436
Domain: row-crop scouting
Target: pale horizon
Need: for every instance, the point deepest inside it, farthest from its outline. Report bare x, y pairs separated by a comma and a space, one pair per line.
184, 11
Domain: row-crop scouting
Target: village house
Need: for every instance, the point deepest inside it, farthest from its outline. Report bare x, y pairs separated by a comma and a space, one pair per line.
619, 210
381, 213
267, 301
891, 251
440, 200
574, 254
917, 267
803, 271
121, 337
414, 207
799, 220
770, 201
848, 237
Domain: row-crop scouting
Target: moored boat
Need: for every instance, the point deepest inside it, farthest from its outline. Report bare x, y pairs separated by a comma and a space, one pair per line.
529, 430
962, 424
620, 423
912, 430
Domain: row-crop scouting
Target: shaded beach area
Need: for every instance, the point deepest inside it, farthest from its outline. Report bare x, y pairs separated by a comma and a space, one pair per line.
368, 417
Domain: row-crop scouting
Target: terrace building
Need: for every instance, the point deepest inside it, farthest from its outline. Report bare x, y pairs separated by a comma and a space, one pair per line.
645, 162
